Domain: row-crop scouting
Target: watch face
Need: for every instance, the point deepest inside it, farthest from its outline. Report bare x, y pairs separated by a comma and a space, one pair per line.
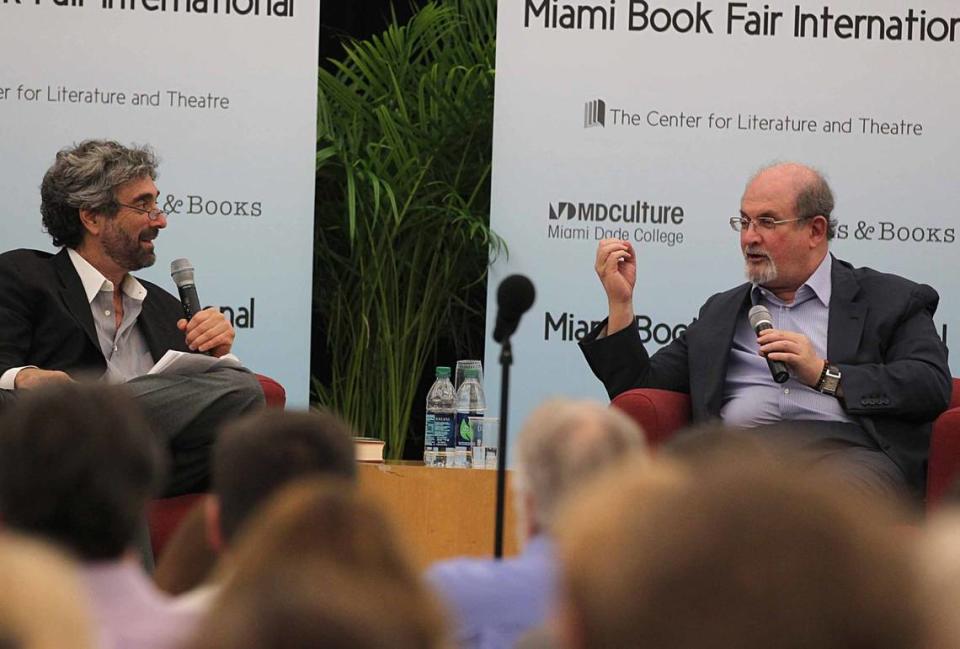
831, 381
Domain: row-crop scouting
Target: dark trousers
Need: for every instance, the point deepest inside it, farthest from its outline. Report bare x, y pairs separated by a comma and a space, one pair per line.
843, 450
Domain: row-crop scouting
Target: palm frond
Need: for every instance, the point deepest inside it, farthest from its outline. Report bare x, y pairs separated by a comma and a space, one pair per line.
404, 130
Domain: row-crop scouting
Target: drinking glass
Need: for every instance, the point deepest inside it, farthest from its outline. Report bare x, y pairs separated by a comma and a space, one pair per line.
486, 434
461, 366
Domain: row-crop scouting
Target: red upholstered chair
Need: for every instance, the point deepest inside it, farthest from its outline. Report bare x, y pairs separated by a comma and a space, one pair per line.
165, 514
661, 413
944, 466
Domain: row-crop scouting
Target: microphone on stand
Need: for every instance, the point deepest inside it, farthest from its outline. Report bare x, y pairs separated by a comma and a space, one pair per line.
515, 296
761, 320
181, 270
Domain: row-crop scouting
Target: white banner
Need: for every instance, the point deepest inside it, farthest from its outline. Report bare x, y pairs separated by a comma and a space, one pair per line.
225, 92
644, 120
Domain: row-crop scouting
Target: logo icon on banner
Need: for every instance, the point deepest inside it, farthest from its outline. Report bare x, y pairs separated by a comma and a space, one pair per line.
595, 114
556, 213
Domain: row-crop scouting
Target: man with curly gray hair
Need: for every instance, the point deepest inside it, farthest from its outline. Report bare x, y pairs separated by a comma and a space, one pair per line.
80, 313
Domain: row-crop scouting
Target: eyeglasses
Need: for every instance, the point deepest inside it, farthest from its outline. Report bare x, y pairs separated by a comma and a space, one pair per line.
739, 223
152, 213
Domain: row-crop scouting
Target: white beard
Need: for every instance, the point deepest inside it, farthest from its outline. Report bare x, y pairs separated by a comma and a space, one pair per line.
763, 275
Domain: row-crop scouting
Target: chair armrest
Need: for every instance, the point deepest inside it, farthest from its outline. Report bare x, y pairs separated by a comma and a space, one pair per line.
659, 412
273, 392
164, 516
943, 467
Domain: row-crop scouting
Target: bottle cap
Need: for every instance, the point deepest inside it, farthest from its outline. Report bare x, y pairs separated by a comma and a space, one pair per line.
443, 372
471, 373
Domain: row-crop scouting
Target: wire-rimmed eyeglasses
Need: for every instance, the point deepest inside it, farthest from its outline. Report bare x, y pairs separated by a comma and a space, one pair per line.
739, 223
153, 213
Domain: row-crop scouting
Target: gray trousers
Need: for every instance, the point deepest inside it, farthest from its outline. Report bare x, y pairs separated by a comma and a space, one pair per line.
185, 411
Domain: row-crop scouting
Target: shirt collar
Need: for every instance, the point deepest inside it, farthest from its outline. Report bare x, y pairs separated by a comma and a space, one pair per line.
93, 280
820, 283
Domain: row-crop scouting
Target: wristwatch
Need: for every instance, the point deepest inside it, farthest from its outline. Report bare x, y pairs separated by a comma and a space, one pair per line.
829, 379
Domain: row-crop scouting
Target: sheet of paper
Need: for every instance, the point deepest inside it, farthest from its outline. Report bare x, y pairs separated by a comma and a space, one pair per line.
174, 362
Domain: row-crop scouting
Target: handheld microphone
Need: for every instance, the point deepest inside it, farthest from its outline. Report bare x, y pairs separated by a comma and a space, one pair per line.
181, 270
514, 297
761, 320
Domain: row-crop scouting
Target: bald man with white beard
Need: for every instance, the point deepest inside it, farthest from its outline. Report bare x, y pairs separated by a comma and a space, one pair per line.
868, 372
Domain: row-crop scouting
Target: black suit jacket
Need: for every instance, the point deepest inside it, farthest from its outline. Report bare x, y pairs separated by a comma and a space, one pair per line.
881, 335
45, 319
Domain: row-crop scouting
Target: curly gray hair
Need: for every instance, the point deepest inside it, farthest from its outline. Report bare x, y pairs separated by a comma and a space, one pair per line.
85, 176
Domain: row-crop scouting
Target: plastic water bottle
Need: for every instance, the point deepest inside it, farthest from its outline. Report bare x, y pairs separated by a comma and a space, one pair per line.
439, 436
471, 403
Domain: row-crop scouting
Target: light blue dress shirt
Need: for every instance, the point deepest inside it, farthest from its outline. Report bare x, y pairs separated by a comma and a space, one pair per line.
493, 603
750, 396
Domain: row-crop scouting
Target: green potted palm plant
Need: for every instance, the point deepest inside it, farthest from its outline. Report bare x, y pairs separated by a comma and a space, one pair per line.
402, 217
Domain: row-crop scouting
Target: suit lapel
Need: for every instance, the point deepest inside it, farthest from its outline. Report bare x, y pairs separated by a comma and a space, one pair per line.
723, 318
846, 315
73, 295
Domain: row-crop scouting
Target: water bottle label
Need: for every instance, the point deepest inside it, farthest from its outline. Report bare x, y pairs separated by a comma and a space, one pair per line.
467, 433
439, 431
429, 441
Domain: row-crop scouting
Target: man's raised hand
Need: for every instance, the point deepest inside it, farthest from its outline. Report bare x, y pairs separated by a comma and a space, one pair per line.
616, 266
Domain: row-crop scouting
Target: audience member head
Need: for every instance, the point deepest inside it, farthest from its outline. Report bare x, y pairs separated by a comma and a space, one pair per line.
939, 565
256, 455
186, 561
85, 177
734, 557
713, 443
320, 566
318, 604
77, 466
562, 445
322, 518
41, 600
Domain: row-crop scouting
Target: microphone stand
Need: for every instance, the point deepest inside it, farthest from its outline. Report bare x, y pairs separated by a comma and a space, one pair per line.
506, 360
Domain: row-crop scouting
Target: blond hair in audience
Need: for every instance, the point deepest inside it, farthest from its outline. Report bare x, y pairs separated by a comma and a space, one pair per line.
734, 557
939, 564
324, 518
41, 601
357, 570
563, 444
317, 604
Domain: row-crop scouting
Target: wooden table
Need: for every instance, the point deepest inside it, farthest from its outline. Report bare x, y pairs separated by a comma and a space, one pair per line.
440, 513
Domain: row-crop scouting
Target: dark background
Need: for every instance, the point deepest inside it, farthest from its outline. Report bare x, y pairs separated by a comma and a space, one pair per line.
342, 21
346, 19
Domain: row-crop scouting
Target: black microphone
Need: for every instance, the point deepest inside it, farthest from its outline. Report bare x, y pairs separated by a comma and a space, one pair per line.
181, 270
760, 320
514, 297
